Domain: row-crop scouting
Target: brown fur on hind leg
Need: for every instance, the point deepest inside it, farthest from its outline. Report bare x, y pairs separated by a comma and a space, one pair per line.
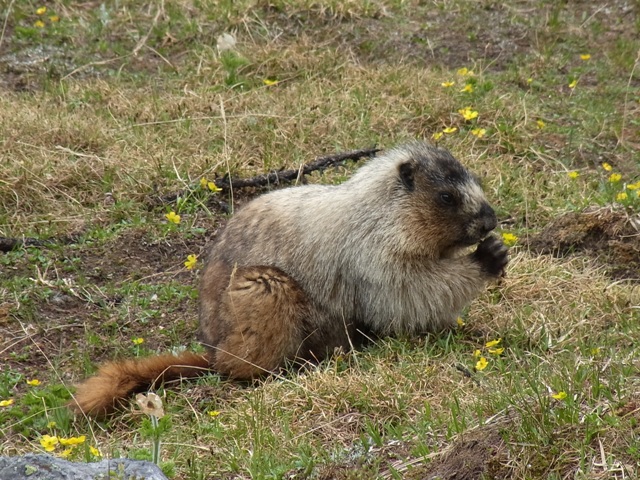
263, 311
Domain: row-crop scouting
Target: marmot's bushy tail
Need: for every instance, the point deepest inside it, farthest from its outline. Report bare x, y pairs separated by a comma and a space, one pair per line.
116, 381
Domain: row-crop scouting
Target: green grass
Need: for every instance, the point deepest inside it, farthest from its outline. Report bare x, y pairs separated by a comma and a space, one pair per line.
138, 102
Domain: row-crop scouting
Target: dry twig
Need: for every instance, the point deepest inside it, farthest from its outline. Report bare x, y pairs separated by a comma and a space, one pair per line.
274, 178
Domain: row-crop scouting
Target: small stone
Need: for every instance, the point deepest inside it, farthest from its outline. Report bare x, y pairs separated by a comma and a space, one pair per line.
47, 467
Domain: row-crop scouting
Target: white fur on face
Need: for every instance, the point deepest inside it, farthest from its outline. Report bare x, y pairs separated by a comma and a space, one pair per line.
473, 197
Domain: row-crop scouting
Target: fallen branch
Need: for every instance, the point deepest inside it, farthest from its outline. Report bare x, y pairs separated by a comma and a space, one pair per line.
291, 175
274, 178
7, 244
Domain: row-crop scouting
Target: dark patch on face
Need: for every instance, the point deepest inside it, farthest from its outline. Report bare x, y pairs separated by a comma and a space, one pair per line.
448, 179
448, 171
438, 167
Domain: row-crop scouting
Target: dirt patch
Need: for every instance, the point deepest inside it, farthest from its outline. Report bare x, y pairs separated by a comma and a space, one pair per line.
480, 453
33, 345
447, 38
74, 298
26, 69
138, 255
495, 35
611, 237
450, 38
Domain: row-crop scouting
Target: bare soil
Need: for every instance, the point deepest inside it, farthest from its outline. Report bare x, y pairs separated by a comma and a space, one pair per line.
492, 35
57, 321
479, 454
611, 237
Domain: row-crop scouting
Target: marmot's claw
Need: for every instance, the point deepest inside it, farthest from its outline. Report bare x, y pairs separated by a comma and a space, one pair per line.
492, 255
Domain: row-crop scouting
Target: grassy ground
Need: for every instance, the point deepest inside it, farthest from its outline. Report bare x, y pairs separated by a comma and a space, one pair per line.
106, 107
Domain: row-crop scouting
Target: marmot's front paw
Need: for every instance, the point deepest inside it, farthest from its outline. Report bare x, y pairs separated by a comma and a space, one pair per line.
492, 255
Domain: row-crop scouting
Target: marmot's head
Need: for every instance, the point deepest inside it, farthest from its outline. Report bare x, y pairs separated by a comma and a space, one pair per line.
444, 204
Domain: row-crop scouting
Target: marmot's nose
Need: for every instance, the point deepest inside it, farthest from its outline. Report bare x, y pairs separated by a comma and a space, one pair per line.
488, 218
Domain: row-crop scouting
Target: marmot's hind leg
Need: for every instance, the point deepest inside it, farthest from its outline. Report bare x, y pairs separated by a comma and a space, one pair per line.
264, 312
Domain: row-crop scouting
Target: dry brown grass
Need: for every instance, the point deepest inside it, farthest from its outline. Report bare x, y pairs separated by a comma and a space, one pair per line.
90, 117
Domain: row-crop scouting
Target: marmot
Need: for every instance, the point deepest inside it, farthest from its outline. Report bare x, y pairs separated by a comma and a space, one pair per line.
302, 271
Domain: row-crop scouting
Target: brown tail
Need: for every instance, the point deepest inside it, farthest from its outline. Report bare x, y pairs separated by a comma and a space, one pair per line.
116, 381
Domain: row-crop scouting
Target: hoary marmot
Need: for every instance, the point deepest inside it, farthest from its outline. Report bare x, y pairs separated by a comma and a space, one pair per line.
302, 271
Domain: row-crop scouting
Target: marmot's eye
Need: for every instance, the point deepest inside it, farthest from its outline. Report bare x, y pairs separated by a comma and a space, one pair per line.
447, 198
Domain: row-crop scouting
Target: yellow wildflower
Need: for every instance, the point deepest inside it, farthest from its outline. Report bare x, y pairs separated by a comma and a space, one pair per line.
269, 82
66, 453
137, 341
634, 186
54, 18
529, 81
6, 403
51, 424
477, 353
448, 84
607, 167
48, 442
467, 88
213, 413
509, 239
468, 113
573, 84
481, 364
479, 132
615, 177
573, 175
212, 186
460, 322
38, 24
436, 136
493, 343
33, 383
72, 441
464, 71
559, 395
540, 124
621, 196
94, 451
449, 129
496, 351
191, 261
595, 351
173, 217
203, 182
585, 56
41, 11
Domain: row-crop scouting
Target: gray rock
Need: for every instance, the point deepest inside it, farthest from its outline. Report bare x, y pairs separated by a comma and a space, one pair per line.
46, 467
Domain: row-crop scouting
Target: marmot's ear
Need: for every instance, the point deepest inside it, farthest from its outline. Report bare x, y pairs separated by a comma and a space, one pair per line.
406, 171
